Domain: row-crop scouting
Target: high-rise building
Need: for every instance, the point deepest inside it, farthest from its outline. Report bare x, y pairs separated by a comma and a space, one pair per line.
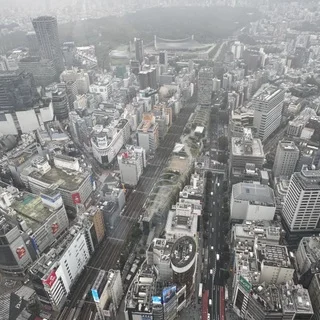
246, 149
59, 101
17, 91
205, 86
314, 293
131, 164
43, 70
46, 29
267, 104
148, 78
237, 49
68, 52
55, 272
148, 136
286, 159
307, 259
138, 43
301, 208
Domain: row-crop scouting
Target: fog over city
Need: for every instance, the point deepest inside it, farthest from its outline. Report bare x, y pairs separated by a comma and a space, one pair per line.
159, 159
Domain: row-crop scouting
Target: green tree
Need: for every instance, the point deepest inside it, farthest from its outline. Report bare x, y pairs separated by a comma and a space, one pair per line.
223, 158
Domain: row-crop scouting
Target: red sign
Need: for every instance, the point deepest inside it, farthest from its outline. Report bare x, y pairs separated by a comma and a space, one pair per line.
76, 198
51, 279
21, 251
55, 227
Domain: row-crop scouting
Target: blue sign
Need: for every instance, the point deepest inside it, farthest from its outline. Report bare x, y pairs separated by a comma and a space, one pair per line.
95, 295
156, 300
168, 293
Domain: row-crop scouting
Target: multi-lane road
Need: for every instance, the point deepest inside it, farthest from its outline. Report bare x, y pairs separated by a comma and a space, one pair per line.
215, 240
108, 253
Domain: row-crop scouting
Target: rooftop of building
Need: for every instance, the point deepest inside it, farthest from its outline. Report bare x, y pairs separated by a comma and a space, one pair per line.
303, 118
146, 126
182, 221
309, 179
255, 193
264, 230
183, 251
187, 44
266, 93
65, 179
312, 247
288, 146
252, 149
273, 255
31, 209
285, 298
139, 296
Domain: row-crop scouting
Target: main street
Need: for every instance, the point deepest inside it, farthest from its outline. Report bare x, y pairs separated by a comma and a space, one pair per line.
215, 231
109, 250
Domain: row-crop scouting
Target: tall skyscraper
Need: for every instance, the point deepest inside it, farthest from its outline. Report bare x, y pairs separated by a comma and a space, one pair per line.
267, 104
286, 159
46, 29
138, 43
205, 86
301, 208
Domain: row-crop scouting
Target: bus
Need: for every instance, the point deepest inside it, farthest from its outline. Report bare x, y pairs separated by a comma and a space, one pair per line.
200, 291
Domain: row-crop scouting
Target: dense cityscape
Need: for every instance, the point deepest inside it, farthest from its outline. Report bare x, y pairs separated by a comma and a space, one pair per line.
163, 177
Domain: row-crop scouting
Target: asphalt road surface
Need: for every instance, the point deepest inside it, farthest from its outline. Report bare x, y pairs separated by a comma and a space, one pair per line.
109, 250
216, 238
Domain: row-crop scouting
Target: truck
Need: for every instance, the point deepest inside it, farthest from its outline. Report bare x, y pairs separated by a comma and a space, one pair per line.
200, 291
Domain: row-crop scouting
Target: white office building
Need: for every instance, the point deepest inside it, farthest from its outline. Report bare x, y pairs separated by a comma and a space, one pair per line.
286, 159
108, 141
252, 201
131, 164
301, 208
267, 103
55, 272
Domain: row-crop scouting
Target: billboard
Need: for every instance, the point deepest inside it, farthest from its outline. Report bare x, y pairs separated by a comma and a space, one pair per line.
76, 198
156, 300
168, 293
95, 295
21, 252
55, 227
51, 279
245, 284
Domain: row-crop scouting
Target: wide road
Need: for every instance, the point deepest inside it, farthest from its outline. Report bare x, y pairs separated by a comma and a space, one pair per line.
109, 251
215, 240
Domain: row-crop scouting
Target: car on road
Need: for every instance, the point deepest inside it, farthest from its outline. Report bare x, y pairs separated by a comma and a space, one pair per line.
211, 271
217, 256
218, 184
211, 193
210, 302
212, 248
212, 229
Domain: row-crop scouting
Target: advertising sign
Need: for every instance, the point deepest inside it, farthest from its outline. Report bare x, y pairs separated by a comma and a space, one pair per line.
168, 293
21, 251
51, 279
156, 300
245, 284
55, 227
95, 295
76, 198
